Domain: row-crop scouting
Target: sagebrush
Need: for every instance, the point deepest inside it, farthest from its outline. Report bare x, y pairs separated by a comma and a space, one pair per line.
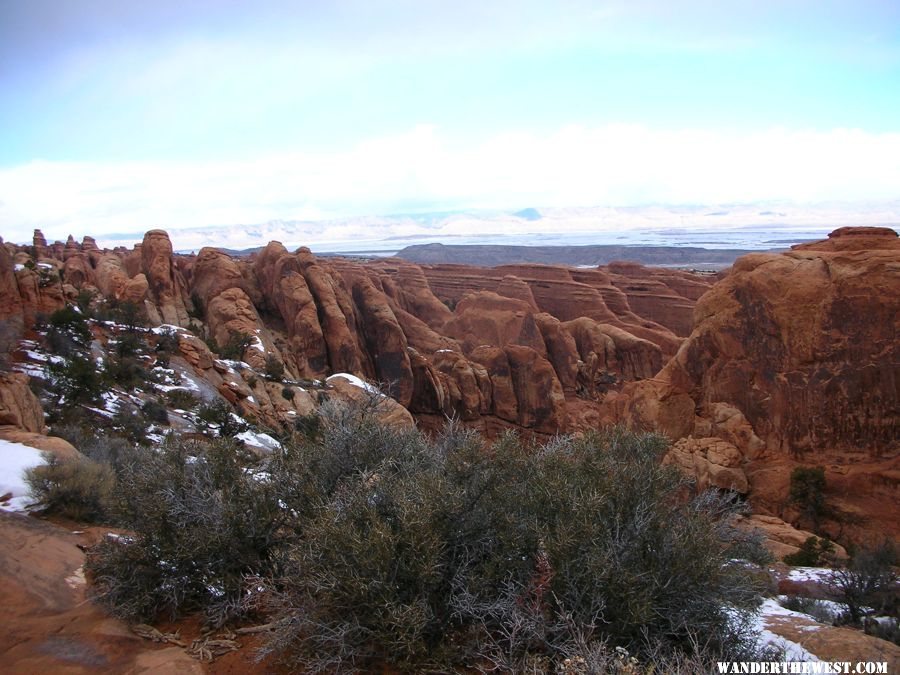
368, 545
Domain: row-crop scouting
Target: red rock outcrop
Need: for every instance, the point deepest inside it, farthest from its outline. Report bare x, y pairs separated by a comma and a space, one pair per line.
168, 290
385, 342
10, 300
19, 407
286, 291
794, 359
337, 315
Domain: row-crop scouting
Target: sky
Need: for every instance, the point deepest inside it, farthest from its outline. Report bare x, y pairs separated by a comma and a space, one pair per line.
122, 116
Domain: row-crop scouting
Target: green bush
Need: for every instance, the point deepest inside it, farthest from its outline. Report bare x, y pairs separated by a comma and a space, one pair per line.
369, 545
79, 489
217, 416
182, 399
274, 368
68, 332
196, 310
813, 552
84, 299
440, 555
76, 380
233, 349
155, 412
200, 524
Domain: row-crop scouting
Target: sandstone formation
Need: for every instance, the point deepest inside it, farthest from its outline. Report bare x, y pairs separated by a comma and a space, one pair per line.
168, 290
781, 539
793, 360
566, 337
790, 359
19, 407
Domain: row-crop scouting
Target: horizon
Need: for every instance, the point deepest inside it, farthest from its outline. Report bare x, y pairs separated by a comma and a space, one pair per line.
120, 119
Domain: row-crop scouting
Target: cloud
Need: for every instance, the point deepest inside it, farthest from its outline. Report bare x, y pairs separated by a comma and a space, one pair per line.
615, 165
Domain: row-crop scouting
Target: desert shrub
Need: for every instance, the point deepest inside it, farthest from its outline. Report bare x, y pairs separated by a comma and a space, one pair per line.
79, 489
128, 344
813, 552
274, 368
372, 545
132, 425
869, 580
99, 447
126, 371
155, 412
127, 313
288, 393
76, 380
438, 555
217, 416
200, 523
234, 347
182, 399
84, 299
68, 332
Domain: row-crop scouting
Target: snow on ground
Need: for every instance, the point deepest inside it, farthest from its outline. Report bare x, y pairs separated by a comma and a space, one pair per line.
833, 609
15, 459
770, 609
819, 575
164, 328
356, 382
258, 439
31, 370
43, 358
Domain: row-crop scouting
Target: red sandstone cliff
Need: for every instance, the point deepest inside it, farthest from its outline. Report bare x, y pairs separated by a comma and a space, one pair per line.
794, 360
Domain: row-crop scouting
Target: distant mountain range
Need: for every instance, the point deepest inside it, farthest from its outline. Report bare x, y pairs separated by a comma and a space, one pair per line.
490, 256
747, 226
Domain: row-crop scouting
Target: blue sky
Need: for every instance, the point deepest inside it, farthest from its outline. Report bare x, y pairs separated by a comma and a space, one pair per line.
110, 111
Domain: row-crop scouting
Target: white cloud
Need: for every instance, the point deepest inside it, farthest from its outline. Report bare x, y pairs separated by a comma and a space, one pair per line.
610, 165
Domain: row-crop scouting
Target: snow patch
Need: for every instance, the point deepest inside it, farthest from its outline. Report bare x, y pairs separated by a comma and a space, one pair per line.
792, 650
356, 382
32, 371
15, 460
258, 440
819, 575
167, 328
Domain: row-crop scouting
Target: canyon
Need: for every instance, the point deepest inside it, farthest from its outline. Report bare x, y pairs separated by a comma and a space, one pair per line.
785, 360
